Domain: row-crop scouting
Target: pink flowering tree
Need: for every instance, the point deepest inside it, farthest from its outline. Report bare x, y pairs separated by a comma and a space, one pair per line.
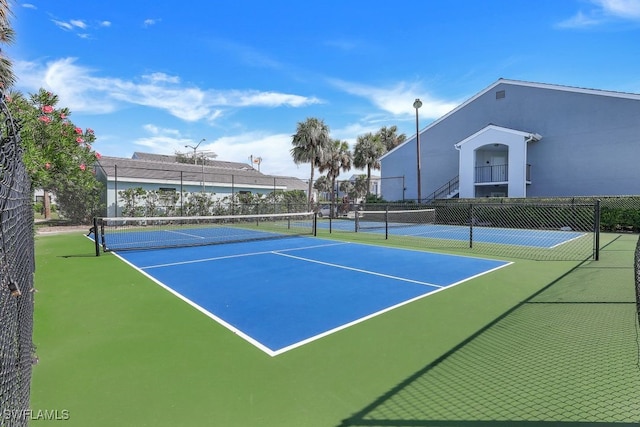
58, 155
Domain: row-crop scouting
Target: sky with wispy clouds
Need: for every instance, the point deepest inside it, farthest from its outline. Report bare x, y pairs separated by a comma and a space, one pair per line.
157, 76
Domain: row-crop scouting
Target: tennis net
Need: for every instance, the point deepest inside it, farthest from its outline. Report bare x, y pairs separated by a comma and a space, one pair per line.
138, 233
372, 220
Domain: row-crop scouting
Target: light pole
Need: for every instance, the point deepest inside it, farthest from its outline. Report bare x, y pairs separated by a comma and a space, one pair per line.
417, 104
195, 159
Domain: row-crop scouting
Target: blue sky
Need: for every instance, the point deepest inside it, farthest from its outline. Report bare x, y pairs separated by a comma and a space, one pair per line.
155, 76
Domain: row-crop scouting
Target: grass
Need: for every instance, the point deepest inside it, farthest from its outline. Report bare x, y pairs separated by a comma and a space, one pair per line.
115, 348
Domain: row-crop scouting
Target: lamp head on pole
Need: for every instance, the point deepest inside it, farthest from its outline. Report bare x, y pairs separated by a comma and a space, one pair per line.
417, 103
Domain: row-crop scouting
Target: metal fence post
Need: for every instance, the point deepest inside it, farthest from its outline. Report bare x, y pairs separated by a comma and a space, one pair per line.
596, 230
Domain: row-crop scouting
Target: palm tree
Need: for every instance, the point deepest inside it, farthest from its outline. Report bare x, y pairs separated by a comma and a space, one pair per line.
7, 78
322, 185
310, 145
367, 154
360, 186
338, 158
389, 138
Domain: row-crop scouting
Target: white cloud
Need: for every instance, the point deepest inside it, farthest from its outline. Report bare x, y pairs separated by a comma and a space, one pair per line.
626, 9
602, 12
161, 77
78, 23
150, 21
29, 6
64, 25
398, 100
105, 24
579, 20
272, 148
79, 89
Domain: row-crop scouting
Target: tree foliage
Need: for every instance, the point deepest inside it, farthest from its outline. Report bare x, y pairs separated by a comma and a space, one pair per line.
367, 153
57, 154
310, 145
338, 158
390, 138
7, 36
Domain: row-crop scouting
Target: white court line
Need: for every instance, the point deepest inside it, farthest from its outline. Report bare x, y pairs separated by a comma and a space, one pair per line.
373, 273
241, 255
184, 234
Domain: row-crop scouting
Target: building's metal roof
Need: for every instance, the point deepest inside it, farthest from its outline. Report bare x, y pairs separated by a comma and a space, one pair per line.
165, 158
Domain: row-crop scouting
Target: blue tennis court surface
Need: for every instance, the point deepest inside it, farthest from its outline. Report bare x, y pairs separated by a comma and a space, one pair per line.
280, 294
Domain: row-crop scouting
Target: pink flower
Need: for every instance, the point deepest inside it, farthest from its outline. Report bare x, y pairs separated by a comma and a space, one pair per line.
90, 131
47, 109
47, 165
82, 167
44, 119
98, 155
63, 116
79, 131
79, 140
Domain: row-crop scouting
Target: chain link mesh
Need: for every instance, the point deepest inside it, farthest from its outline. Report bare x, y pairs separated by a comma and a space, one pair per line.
560, 230
16, 277
566, 356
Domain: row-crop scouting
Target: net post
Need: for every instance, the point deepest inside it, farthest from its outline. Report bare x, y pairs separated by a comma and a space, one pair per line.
471, 225
357, 221
95, 236
314, 226
596, 231
386, 222
102, 238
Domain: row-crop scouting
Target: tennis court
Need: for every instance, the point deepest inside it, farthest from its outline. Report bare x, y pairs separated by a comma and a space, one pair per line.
280, 294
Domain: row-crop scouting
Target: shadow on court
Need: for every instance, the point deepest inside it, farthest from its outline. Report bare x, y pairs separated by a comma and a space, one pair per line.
567, 356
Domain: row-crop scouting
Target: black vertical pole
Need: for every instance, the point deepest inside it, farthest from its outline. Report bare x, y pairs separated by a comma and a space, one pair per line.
386, 222
95, 236
471, 225
596, 230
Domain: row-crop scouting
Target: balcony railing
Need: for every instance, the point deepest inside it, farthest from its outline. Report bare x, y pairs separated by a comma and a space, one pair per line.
496, 173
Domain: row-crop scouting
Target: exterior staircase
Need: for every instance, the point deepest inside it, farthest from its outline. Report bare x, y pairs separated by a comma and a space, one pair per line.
447, 191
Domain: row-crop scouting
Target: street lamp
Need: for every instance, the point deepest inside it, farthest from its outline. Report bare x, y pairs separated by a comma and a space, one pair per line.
417, 104
195, 159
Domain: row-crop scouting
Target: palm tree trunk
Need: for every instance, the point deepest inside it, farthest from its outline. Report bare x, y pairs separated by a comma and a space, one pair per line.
46, 204
310, 186
333, 196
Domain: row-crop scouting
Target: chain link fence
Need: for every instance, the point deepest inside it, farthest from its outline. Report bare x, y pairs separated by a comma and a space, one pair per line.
568, 355
17, 266
534, 228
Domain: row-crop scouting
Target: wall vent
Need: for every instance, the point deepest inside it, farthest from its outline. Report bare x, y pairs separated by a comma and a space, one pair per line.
500, 94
